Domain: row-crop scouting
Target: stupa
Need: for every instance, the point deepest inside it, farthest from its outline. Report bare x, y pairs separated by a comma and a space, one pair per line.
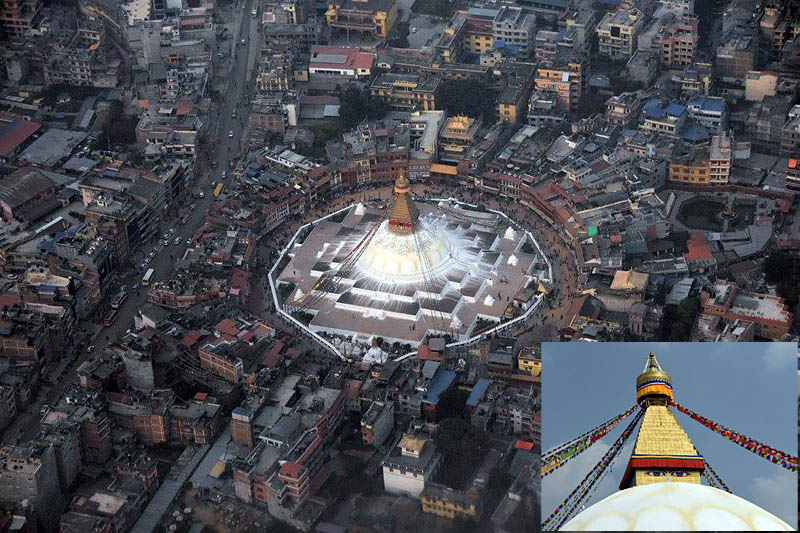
661, 489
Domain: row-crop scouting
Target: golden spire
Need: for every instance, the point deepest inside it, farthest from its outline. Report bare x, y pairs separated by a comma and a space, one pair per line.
653, 382
663, 452
403, 214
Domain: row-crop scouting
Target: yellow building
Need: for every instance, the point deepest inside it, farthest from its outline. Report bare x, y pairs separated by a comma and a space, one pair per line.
566, 81
663, 451
406, 92
529, 361
375, 17
443, 501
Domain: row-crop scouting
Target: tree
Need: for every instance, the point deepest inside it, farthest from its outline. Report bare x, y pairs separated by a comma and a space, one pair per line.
467, 97
784, 270
452, 403
399, 36
357, 105
462, 447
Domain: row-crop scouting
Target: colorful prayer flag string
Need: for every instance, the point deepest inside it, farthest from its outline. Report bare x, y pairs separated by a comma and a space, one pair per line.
769, 453
565, 510
557, 457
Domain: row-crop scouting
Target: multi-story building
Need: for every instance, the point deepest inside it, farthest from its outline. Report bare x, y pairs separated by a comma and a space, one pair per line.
642, 67
242, 426
770, 314
793, 175
406, 92
377, 423
375, 17
543, 110
412, 462
290, 479
8, 405
624, 108
529, 361
565, 79
617, 33
736, 56
196, 422
665, 119
29, 472
19, 16
468, 503
678, 42
790, 134
515, 29
456, 137
219, 356
709, 111
26, 194
706, 165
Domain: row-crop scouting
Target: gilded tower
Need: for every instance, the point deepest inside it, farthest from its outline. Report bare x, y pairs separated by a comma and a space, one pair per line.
663, 451
403, 214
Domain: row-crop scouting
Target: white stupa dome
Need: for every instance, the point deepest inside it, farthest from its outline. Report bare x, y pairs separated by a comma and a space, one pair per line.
397, 258
675, 506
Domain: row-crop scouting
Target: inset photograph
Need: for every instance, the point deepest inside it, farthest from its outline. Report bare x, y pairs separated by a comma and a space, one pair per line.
669, 437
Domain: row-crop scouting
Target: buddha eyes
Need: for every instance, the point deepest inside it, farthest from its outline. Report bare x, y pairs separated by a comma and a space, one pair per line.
657, 473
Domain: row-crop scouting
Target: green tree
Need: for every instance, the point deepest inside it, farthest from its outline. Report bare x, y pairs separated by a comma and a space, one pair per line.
462, 447
467, 97
452, 403
358, 105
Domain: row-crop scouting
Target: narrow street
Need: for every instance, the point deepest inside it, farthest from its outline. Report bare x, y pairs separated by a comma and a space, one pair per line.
26, 425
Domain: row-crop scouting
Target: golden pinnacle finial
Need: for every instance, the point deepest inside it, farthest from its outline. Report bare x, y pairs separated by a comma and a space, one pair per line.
653, 381
401, 184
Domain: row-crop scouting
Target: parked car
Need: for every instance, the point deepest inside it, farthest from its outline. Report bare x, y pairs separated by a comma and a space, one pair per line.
202, 194
44, 410
230, 133
177, 241
90, 349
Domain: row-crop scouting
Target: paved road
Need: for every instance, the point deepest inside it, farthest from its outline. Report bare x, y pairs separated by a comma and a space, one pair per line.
225, 148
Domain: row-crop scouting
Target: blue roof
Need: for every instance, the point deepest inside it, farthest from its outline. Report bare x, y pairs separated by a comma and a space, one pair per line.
696, 133
440, 383
477, 392
653, 109
709, 104
242, 411
675, 109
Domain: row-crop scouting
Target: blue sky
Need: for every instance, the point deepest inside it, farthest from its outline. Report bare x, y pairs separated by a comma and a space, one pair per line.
751, 388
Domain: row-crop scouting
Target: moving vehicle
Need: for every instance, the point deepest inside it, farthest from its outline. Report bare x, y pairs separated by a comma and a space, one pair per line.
116, 303
233, 114
202, 194
218, 190
110, 318
253, 14
148, 276
413, 30
224, 174
230, 133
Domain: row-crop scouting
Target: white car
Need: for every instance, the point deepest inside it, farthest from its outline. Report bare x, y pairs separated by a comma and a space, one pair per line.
202, 194
177, 241
230, 133
413, 30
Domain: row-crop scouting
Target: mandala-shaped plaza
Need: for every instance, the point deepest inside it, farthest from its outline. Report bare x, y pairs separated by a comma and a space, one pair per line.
407, 271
